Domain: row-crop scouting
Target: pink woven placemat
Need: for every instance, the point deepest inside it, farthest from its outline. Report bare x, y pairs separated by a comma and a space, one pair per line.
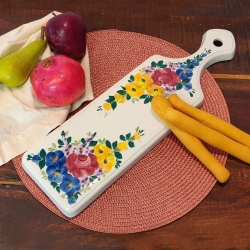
168, 182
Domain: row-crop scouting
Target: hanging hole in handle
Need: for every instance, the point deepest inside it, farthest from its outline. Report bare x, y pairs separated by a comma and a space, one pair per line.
218, 43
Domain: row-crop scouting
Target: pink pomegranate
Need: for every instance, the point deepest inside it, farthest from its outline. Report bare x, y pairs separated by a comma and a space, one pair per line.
58, 80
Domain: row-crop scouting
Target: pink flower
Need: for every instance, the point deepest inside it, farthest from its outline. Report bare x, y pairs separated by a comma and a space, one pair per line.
81, 165
165, 76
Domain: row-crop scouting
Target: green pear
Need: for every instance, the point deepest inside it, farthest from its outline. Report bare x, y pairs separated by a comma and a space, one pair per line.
16, 67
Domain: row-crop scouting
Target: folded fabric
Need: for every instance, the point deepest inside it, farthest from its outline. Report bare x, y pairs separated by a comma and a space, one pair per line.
24, 121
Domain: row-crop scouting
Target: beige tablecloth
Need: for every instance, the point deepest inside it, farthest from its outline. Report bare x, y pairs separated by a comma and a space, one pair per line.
24, 121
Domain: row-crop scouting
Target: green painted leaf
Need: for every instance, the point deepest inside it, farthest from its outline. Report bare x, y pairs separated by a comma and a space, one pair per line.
69, 140
132, 78
113, 105
163, 66
51, 149
42, 153
148, 99
60, 142
93, 143
108, 144
92, 178
110, 99
41, 164
77, 194
128, 136
53, 184
153, 64
179, 86
159, 63
191, 94
58, 189
53, 145
118, 155
83, 141
122, 138
114, 145
118, 162
131, 144
184, 81
143, 96
94, 135
128, 97
121, 92
63, 133
29, 157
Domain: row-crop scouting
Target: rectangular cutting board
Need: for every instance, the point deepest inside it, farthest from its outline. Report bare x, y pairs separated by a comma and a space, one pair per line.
79, 160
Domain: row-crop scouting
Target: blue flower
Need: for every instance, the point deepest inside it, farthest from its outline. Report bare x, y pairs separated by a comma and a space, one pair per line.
203, 54
36, 158
195, 63
184, 72
71, 200
70, 184
188, 86
56, 158
56, 173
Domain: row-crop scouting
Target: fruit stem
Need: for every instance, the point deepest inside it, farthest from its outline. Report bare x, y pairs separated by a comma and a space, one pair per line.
42, 32
48, 62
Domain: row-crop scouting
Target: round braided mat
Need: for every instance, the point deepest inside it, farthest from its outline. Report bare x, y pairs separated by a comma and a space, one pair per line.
168, 182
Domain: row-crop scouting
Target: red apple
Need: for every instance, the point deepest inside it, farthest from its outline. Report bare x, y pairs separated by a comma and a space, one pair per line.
58, 81
66, 35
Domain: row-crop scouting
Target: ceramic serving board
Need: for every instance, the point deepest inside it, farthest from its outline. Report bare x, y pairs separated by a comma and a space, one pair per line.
79, 160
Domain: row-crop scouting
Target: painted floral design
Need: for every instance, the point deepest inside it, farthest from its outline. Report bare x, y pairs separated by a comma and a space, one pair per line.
72, 167
80, 165
159, 78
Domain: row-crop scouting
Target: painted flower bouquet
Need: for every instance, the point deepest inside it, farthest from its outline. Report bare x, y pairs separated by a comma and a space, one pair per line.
159, 78
72, 167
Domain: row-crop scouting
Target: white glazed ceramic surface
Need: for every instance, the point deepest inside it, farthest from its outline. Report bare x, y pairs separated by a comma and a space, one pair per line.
79, 160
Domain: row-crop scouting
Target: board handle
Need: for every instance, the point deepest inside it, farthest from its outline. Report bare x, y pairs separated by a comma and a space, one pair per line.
222, 45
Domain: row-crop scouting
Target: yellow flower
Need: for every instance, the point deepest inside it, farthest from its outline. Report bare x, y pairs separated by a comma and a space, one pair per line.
122, 145
133, 90
106, 162
107, 106
155, 90
137, 136
119, 98
101, 150
143, 80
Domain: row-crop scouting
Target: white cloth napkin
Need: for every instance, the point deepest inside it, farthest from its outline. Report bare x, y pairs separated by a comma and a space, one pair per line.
24, 121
